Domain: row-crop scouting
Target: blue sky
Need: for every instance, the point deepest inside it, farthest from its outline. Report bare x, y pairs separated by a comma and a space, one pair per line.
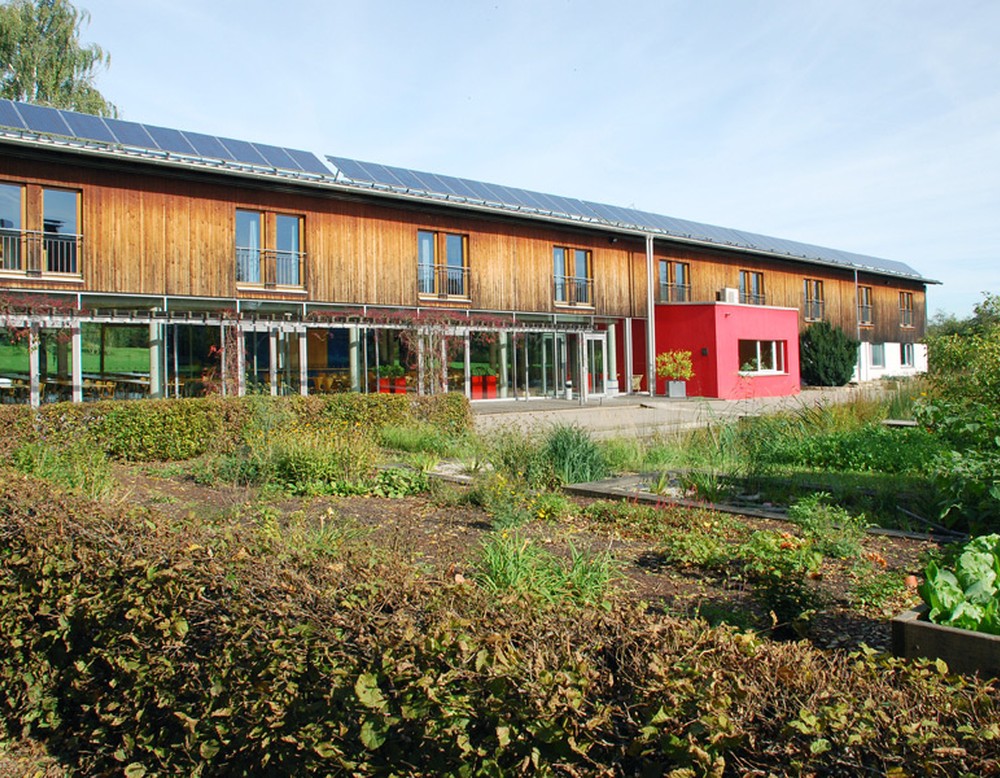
871, 127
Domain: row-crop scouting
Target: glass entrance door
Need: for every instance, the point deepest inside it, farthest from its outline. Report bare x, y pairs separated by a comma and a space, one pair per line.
595, 345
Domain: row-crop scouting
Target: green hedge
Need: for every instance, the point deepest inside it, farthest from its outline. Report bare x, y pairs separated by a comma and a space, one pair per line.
132, 645
165, 430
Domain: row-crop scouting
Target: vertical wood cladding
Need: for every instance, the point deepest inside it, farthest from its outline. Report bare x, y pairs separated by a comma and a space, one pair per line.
165, 235
783, 287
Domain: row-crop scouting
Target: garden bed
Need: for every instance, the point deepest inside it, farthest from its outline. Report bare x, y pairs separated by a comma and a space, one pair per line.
964, 651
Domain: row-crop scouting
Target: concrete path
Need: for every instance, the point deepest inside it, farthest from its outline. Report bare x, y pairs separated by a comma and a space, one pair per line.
643, 416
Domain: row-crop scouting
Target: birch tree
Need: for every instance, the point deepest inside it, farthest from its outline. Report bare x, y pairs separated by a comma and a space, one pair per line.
43, 61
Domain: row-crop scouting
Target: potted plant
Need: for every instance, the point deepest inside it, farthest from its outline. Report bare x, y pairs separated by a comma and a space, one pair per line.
676, 368
484, 382
392, 380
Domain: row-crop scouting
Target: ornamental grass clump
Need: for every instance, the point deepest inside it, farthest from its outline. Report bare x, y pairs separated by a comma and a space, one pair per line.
574, 455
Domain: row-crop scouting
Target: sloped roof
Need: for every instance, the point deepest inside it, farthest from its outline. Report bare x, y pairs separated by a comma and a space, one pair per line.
83, 132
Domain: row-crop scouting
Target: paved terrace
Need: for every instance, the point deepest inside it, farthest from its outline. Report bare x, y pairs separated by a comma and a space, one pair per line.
644, 416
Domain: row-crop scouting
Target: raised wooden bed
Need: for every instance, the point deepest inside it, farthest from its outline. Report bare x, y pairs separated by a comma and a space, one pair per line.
965, 652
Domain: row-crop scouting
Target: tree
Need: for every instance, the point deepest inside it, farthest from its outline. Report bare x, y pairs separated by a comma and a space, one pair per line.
827, 355
42, 60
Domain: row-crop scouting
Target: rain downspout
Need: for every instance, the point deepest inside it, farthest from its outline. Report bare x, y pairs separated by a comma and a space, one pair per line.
857, 326
650, 319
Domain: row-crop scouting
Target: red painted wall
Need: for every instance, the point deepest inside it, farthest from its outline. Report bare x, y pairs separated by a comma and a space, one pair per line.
712, 331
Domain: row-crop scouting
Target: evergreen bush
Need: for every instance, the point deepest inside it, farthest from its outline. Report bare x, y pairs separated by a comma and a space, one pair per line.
827, 355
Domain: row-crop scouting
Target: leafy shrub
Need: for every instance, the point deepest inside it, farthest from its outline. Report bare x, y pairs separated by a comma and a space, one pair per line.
965, 593
520, 457
550, 506
575, 457
695, 548
827, 355
506, 501
133, 644
833, 530
779, 565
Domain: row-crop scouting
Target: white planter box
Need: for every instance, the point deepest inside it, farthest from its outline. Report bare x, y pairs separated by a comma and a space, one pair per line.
677, 389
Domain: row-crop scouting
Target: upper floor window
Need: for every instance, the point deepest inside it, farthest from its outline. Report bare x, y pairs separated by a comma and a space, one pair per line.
751, 287
865, 306
812, 291
11, 218
442, 264
573, 283
906, 309
762, 356
675, 281
56, 247
60, 230
269, 248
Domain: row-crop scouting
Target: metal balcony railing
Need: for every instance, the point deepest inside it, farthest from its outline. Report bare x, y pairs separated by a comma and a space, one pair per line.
749, 298
573, 290
675, 293
35, 253
864, 314
813, 310
269, 267
443, 280
906, 317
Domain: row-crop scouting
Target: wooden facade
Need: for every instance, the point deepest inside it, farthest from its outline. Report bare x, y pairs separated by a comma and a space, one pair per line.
147, 234
712, 271
157, 234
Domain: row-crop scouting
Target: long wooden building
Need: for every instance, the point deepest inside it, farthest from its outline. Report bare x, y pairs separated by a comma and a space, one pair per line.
146, 261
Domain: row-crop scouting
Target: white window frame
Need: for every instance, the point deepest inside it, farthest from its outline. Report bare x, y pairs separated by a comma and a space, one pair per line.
880, 349
778, 353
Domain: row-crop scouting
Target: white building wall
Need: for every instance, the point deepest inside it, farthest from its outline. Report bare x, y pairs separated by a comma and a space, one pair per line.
893, 362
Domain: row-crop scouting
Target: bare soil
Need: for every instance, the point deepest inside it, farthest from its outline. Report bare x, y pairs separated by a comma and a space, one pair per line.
444, 539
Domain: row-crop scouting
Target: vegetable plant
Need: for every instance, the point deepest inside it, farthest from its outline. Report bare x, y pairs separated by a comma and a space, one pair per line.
964, 593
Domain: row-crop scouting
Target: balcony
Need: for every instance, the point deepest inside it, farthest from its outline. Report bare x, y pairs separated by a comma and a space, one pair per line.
269, 268
573, 290
675, 293
813, 310
36, 253
443, 281
751, 298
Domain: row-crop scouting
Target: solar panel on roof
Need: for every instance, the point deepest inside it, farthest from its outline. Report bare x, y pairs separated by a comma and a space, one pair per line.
130, 134
524, 199
385, 175
9, 117
349, 168
208, 145
308, 161
461, 187
243, 151
409, 179
170, 140
276, 156
41, 118
84, 125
